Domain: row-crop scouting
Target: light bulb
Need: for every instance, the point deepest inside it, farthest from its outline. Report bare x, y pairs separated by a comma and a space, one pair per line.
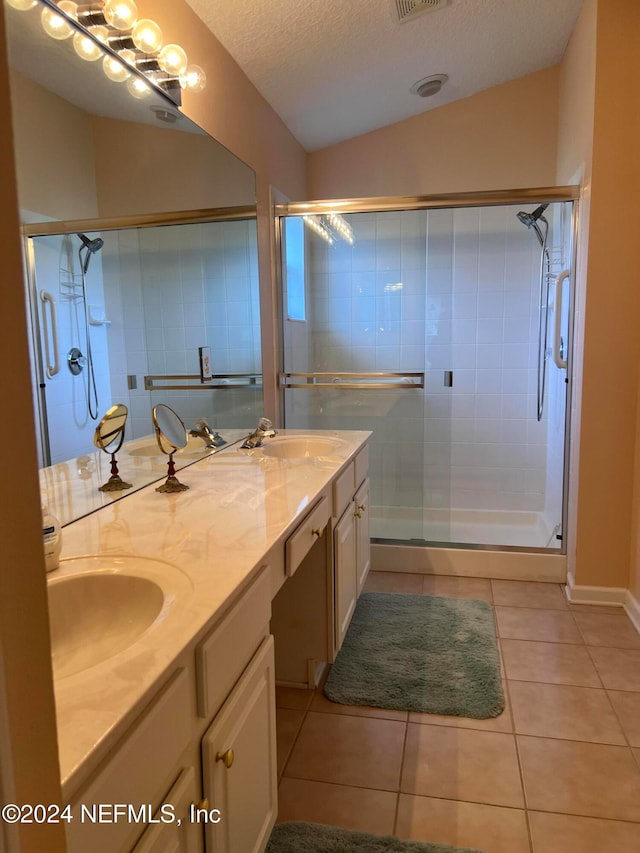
120, 14
115, 70
128, 56
138, 87
173, 60
86, 48
56, 25
194, 79
23, 5
147, 36
100, 33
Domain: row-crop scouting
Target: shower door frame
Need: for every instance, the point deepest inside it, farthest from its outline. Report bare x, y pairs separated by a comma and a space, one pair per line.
489, 198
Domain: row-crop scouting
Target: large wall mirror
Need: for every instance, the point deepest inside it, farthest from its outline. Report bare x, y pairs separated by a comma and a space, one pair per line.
141, 253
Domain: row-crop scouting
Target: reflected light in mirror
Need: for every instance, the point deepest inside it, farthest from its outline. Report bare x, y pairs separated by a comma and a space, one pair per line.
138, 88
85, 47
22, 5
55, 25
115, 70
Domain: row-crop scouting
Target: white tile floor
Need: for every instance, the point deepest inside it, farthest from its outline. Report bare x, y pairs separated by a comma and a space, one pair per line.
557, 772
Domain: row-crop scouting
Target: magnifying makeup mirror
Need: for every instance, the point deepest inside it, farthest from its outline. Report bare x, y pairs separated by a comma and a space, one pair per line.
109, 436
170, 433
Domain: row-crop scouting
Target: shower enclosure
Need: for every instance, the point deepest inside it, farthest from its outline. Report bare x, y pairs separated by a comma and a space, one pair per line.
444, 326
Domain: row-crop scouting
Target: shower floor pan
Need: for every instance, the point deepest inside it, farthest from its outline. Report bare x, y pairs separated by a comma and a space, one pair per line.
472, 543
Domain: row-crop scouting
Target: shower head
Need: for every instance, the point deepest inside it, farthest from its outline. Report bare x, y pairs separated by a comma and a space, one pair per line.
530, 219
95, 245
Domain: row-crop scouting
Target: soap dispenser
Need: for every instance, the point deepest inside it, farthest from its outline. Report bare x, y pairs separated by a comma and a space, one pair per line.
52, 539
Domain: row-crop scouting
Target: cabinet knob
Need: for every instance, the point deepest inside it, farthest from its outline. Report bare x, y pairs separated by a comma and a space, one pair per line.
317, 532
358, 514
203, 804
362, 507
226, 757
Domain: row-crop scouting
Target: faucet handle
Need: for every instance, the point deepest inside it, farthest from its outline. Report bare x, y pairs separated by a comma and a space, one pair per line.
265, 424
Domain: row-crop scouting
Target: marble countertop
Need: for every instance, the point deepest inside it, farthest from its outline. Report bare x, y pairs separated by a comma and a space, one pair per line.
70, 489
214, 536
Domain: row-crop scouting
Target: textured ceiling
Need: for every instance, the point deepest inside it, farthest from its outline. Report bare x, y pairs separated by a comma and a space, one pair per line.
333, 69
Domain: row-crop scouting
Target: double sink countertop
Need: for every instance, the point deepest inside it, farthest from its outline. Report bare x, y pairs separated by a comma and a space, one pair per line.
203, 547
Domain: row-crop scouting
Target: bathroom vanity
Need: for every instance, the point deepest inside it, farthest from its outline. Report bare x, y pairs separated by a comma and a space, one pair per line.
196, 604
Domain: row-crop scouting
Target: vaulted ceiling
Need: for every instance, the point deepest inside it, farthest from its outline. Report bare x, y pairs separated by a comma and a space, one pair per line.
333, 69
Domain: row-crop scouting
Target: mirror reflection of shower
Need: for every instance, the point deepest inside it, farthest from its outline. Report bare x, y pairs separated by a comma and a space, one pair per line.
86, 251
531, 220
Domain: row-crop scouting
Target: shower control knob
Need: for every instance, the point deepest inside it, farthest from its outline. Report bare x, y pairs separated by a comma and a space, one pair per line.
76, 361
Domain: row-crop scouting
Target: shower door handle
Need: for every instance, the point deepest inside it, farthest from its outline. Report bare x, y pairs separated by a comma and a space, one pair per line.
557, 321
50, 335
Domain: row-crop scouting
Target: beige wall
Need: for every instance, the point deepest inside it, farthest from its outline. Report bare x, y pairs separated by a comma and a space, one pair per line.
574, 165
29, 770
142, 168
502, 138
612, 309
54, 153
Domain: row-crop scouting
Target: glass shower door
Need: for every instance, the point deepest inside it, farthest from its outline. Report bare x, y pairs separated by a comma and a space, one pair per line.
477, 299
355, 302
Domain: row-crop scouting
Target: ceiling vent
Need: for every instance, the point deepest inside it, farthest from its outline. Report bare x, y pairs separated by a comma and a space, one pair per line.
406, 10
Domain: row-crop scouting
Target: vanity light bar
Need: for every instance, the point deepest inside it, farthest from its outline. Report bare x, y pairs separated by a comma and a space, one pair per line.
110, 30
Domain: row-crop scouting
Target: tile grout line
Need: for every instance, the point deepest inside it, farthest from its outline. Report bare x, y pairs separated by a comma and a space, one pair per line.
402, 760
517, 748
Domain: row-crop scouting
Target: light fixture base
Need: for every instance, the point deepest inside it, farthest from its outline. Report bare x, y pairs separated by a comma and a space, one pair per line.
429, 86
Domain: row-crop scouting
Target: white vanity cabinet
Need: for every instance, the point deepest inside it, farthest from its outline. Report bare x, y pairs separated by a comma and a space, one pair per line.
313, 608
181, 835
363, 537
239, 762
351, 543
203, 750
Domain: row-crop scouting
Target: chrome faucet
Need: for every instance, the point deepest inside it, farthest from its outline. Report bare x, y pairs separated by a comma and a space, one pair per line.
264, 430
202, 430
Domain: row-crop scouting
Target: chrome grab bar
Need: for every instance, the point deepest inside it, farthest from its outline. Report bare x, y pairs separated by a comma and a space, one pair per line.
373, 381
219, 382
53, 362
557, 321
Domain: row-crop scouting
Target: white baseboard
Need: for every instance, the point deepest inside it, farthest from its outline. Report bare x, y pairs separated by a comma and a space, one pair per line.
632, 608
613, 596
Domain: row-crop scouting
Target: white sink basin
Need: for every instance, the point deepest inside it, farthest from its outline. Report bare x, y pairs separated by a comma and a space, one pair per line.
102, 606
149, 447
302, 446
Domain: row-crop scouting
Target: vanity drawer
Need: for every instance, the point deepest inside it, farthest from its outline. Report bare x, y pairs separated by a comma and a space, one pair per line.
223, 655
362, 465
307, 534
143, 763
343, 489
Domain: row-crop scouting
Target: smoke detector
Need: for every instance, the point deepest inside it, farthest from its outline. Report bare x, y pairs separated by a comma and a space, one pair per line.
429, 86
405, 10
166, 114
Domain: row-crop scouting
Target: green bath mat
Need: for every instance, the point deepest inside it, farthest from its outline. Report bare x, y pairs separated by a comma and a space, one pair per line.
316, 838
419, 653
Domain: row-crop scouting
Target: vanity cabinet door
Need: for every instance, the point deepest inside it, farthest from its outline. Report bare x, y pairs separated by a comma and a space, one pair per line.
182, 835
363, 541
346, 584
239, 762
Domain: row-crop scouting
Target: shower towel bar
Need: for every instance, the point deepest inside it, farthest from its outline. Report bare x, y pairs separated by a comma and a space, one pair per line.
558, 358
50, 333
219, 382
369, 381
